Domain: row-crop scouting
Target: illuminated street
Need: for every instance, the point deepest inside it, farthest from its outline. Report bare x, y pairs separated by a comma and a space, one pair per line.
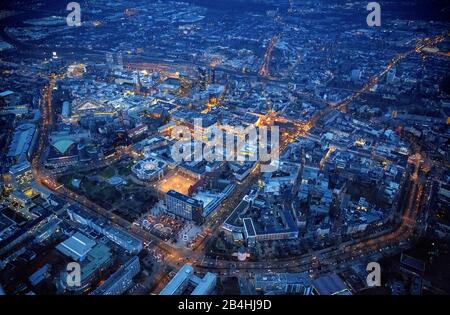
234, 148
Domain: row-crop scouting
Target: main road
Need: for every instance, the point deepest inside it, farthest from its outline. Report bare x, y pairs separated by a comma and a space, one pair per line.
174, 254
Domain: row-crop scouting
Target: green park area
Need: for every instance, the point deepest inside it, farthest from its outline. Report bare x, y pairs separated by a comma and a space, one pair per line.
111, 188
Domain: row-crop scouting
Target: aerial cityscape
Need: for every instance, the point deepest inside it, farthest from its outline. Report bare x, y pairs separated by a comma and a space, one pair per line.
225, 148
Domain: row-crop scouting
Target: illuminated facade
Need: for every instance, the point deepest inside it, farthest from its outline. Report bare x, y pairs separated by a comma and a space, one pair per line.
184, 206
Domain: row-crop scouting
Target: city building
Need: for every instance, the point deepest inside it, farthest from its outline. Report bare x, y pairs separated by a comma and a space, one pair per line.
287, 230
95, 261
22, 144
121, 238
120, 281
149, 169
360, 116
185, 279
77, 246
21, 174
185, 207
330, 284
283, 283
128, 242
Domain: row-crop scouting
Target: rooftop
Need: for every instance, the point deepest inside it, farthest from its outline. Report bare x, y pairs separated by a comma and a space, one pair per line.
77, 246
330, 284
178, 280
193, 202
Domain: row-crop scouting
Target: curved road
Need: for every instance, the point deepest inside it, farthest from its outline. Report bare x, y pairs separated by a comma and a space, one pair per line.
176, 255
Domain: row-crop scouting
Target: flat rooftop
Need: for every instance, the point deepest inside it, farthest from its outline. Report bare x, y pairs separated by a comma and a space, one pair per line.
178, 280
330, 285
205, 284
193, 202
248, 223
240, 208
77, 246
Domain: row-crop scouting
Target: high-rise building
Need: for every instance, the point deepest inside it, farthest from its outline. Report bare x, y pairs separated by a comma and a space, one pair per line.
212, 75
203, 77
184, 206
65, 113
391, 75
120, 61
109, 60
